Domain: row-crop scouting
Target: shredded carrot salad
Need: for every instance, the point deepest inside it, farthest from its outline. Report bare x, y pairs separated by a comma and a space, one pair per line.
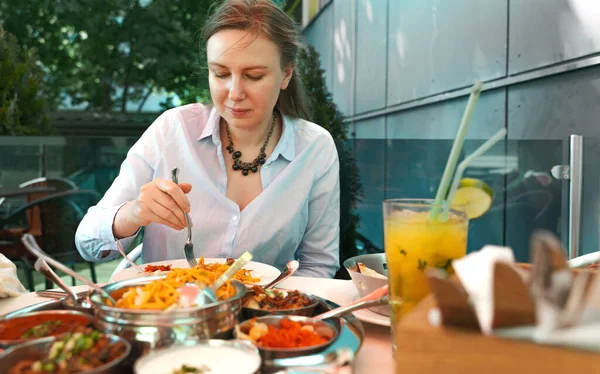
162, 294
242, 275
291, 334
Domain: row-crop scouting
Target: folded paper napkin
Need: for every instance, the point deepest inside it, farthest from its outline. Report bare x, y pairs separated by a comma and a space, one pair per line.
476, 274
10, 286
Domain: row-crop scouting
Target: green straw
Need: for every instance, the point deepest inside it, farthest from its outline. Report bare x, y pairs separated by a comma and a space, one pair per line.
456, 149
464, 164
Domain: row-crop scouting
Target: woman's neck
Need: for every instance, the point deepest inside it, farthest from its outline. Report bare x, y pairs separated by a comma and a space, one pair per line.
249, 137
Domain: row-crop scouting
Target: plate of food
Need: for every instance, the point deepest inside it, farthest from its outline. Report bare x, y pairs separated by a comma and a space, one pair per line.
252, 273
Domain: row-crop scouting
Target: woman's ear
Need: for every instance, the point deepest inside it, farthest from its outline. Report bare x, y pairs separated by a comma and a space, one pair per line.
287, 76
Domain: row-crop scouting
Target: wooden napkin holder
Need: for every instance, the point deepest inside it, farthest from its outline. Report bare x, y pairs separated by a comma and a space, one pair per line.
423, 348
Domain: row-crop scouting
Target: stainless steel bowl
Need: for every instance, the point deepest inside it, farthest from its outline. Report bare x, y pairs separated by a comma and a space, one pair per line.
365, 284
307, 311
39, 348
4, 343
151, 329
220, 356
330, 328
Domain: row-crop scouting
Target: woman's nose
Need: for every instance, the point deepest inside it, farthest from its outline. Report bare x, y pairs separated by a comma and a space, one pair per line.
236, 90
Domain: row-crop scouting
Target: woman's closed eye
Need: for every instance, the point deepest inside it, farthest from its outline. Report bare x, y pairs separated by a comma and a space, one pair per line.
255, 77
249, 76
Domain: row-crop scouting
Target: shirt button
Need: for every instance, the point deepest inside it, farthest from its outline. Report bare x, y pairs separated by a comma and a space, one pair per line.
234, 218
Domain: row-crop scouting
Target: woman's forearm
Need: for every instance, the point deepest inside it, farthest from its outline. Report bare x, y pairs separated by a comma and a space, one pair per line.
123, 225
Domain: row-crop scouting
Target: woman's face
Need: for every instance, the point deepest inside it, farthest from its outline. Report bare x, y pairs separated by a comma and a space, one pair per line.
245, 79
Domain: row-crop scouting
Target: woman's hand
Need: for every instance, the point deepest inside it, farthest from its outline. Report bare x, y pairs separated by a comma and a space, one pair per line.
160, 201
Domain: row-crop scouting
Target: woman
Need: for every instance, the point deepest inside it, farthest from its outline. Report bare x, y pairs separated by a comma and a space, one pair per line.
264, 179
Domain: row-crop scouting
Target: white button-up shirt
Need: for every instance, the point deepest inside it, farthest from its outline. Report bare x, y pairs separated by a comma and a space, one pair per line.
296, 216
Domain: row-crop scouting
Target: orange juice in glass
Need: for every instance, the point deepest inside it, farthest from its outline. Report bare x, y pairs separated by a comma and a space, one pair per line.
414, 242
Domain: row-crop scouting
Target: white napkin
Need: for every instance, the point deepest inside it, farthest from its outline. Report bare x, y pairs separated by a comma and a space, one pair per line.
10, 286
476, 274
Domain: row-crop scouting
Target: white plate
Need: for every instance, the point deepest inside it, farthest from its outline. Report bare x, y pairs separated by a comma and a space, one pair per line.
221, 357
265, 272
366, 315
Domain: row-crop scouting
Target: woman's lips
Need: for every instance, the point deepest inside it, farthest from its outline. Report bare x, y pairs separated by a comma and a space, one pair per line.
238, 112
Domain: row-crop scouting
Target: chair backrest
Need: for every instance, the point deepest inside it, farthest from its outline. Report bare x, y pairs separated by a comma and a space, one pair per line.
60, 215
60, 184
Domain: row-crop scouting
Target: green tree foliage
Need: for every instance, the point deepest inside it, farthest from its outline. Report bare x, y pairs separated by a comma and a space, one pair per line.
327, 114
22, 104
108, 53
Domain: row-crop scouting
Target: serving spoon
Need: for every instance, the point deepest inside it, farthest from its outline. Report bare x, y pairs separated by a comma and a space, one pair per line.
290, 269
68, 298
29, 241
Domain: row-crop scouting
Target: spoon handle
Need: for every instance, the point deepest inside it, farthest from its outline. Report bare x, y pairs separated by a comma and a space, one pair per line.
130, 261
30, 243
42, 267
375, 298
289, 270
58, 294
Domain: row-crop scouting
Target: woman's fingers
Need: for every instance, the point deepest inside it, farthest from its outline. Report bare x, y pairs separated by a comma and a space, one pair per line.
185, 187
162, 201
175, 192
153, 217
173, 211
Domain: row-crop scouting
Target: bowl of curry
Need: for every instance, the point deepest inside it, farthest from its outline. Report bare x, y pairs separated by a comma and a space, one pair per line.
36, 325
260, 302
86, 350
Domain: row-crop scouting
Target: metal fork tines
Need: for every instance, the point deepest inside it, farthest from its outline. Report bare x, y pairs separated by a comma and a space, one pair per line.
188, 247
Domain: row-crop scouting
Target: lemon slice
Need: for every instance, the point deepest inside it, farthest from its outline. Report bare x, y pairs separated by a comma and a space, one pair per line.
474, 196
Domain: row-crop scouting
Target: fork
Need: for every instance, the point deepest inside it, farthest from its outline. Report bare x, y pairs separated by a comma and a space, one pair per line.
188, 247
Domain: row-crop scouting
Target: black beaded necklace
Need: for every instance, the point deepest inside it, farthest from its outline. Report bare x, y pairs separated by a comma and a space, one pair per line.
245, 167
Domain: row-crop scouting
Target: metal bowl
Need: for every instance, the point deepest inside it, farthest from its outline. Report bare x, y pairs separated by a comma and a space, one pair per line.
307, 311
12, 342
151, 329
220, 356
330, 328
365, 284
39, 348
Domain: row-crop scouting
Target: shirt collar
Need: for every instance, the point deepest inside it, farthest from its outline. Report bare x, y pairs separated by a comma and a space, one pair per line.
285, 147
212, 126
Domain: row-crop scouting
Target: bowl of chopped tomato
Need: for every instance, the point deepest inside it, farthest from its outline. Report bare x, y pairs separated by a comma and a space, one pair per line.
281, 336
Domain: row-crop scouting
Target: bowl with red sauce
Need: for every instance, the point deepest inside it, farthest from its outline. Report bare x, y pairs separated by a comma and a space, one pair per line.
36, 325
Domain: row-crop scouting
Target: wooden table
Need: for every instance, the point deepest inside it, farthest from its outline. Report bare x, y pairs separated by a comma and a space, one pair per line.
375, 355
